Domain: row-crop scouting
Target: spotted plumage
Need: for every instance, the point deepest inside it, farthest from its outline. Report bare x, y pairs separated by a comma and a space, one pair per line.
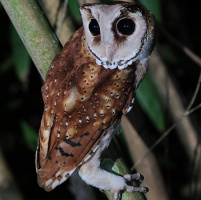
85, 97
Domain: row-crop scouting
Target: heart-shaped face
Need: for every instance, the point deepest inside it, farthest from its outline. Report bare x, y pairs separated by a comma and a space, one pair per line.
118, 34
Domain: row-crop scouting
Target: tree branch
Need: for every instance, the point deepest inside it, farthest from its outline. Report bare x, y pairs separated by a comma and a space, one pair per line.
35, 32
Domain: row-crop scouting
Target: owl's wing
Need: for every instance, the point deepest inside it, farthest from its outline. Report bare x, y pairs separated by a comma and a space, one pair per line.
58, 80
69, 132
65, 156
70, 128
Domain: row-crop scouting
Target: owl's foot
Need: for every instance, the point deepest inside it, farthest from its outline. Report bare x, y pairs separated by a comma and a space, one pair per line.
129, 177
118, 195
137, 177
92, 174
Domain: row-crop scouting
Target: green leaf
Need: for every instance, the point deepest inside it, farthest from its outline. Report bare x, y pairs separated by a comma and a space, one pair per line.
154, 6
29, 135
107, 164
20, 56
74, 10
150, 102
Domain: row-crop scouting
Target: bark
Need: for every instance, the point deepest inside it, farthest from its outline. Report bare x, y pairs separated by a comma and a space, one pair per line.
35, 32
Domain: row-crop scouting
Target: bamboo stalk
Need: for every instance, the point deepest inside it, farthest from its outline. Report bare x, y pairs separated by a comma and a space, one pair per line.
149, 166
54, 15
43, 45
35, 32
185, 130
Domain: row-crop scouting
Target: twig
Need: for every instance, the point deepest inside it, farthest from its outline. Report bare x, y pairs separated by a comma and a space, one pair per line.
64, 11
195, 93
192, 110
149, 167
160, 77
80, 2
53, 10
185, 49
57, 12
186, 113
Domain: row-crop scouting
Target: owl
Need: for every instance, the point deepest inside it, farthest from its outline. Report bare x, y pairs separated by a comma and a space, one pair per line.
88, 87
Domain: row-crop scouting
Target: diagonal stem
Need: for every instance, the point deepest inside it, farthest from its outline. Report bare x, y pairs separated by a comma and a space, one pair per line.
189, 110
195, 93
35, 32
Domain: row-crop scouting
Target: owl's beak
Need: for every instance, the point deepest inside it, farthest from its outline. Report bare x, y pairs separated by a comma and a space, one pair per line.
107, 45
109, 51
107, 41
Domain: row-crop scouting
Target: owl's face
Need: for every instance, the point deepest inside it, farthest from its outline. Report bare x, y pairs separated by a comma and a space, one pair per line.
118, 34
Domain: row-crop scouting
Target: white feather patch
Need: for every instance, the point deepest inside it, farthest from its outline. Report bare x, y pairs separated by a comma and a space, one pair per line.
129, 109
48, 182
87, 158
56, 182
96, 147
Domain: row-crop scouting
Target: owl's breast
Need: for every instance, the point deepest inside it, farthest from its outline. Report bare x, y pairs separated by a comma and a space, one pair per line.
115, 87
75, 83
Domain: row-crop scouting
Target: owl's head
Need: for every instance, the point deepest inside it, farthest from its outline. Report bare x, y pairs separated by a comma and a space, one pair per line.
118, 34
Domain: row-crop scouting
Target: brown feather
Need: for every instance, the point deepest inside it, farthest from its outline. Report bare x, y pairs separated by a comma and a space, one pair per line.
82, 99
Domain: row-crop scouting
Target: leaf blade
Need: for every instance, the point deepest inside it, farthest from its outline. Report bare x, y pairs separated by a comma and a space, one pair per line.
151, 103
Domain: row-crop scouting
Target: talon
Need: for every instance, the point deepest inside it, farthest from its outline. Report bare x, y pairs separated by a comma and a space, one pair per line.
127, 177
146, 190
137, 189
138, 177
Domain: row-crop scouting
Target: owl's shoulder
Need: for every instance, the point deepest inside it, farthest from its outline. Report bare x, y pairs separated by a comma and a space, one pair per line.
66, 59
73, 56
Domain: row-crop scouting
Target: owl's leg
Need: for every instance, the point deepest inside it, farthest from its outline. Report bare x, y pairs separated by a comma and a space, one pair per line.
93, 175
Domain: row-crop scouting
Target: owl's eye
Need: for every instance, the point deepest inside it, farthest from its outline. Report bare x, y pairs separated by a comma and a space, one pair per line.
126, 26
94, 27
